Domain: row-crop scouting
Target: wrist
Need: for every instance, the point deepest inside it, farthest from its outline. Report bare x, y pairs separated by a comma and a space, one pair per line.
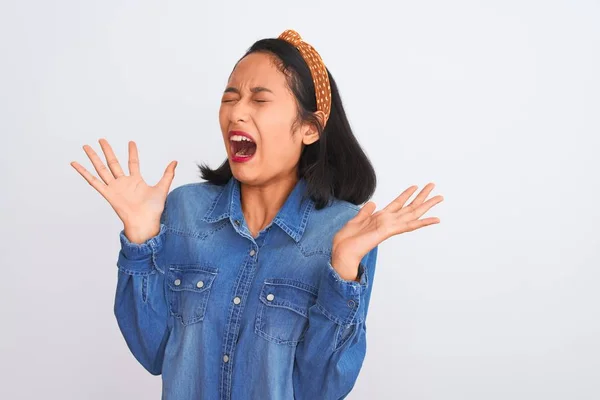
140, 235
346, 269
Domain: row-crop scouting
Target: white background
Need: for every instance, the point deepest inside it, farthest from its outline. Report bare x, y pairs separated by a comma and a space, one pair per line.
497, 102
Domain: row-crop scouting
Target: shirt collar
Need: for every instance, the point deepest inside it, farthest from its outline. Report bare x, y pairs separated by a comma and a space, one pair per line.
291, 218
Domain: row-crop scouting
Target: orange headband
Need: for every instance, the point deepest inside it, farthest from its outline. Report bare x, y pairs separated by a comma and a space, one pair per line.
317, 70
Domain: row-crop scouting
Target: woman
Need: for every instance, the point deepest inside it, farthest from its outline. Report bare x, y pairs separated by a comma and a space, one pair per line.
256, 283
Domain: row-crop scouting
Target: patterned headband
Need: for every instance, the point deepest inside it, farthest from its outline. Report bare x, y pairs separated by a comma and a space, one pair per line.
317, 70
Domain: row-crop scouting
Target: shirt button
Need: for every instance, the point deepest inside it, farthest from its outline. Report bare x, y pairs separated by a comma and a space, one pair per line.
270, 296
200, 284
351, 303
225, 358
252, 252
237, 222
177, 282
237, 300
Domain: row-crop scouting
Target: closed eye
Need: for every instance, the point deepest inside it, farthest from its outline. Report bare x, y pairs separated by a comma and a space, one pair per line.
256, 101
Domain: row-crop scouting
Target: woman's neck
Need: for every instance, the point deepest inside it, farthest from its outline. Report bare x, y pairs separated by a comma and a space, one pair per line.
260, 204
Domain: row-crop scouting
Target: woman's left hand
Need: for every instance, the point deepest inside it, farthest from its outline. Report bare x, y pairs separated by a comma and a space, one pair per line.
367, 229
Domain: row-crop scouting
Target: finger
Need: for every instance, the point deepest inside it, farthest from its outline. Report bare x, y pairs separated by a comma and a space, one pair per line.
91, 179
134, 160
423, 195
417, 212
99, 166
167, 178
399, 201
111, 159
420, 223
365, 212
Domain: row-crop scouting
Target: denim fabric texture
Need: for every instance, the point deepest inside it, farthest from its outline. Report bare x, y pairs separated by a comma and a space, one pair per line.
220, 314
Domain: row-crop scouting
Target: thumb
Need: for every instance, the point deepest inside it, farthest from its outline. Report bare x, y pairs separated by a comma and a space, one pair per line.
165, 182
365, 211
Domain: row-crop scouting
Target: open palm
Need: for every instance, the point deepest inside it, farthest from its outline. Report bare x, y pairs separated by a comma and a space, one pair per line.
367, 229
138, 205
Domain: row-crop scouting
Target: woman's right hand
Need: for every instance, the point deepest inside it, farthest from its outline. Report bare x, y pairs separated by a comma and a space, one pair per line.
138, 205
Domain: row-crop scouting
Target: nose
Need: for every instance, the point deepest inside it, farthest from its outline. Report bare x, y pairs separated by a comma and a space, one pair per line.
239, 112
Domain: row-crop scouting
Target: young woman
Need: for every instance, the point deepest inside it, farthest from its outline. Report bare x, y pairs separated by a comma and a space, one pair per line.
255, 284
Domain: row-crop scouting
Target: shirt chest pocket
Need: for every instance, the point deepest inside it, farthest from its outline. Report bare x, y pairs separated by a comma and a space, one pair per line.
188, 291
282, 314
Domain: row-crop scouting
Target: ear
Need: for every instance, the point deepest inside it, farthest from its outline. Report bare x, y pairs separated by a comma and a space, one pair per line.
320, 116
311, 134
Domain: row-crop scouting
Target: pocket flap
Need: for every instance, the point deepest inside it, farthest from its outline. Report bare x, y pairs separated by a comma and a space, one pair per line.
288, 293
197, 278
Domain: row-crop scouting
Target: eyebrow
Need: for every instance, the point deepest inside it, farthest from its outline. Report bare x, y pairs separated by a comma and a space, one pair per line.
256, 89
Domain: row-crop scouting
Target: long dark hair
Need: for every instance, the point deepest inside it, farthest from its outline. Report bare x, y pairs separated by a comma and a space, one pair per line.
333, 166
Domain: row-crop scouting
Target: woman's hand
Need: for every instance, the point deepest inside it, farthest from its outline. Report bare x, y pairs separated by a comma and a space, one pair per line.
367, 229
138, 205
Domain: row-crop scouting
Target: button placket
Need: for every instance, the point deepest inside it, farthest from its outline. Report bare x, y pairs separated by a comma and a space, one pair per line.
234, 323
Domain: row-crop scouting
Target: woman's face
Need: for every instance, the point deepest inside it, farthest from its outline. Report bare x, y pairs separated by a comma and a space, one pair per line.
258, 102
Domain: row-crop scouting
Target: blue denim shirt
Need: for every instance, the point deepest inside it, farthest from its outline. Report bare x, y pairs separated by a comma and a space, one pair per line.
225, 315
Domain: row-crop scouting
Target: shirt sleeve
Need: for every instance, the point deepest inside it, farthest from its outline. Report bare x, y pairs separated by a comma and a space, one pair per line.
331, 354
137, 258
140, 305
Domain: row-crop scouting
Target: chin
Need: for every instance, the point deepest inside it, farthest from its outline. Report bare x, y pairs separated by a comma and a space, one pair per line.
242, 172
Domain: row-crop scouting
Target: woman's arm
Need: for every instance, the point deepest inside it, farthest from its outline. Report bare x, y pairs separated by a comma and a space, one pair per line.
140, 305
330, 357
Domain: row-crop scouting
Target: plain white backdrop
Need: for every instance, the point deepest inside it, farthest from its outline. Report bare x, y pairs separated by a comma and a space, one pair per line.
497, 102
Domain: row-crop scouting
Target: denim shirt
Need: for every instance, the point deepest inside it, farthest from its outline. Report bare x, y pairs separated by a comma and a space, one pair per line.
221, 314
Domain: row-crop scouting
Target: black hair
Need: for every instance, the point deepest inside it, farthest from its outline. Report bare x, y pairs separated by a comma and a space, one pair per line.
333, 166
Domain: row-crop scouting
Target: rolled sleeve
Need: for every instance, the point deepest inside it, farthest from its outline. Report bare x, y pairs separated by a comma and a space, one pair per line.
340, 300
138, 258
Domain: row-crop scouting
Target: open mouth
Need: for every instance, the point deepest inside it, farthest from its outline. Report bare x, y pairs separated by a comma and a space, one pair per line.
241, 146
